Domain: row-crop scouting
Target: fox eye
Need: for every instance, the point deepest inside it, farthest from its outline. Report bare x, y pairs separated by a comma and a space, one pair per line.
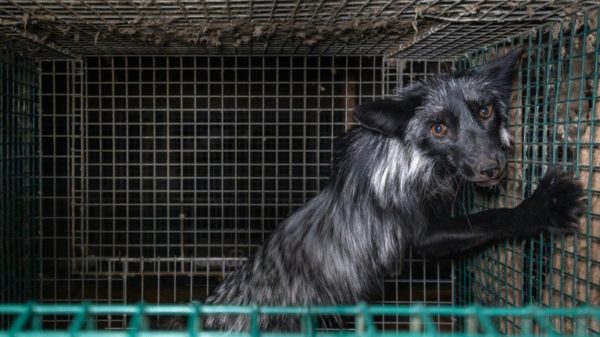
486, 111
439, 129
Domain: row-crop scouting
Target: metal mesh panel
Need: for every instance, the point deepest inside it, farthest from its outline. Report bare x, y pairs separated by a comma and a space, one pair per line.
434, 29
18, 176
58, 96
483, 24
553, 117
161, 174
189, 163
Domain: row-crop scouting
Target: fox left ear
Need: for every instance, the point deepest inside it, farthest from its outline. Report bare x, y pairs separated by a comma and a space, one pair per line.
390, 116
502, 70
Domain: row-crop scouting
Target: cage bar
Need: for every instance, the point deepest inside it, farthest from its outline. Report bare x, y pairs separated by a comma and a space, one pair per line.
363, 316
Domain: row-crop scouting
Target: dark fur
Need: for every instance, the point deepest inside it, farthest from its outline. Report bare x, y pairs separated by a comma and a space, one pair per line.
391, 179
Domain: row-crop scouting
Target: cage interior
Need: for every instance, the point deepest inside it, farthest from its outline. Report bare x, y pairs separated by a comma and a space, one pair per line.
148, 147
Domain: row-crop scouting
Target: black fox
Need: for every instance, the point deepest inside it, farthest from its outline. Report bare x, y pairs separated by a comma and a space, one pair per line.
394, 179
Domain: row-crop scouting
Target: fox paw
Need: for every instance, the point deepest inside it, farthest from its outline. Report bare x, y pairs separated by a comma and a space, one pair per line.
558, 202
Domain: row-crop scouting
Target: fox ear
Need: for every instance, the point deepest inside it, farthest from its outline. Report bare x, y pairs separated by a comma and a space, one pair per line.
390, 116
502, 70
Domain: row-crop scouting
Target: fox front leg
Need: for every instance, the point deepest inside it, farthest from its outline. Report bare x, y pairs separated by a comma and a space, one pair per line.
554, 207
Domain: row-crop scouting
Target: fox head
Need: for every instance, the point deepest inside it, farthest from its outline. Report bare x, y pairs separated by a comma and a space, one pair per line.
458, 121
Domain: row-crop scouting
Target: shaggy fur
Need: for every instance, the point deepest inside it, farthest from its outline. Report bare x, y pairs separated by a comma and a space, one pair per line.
392, 186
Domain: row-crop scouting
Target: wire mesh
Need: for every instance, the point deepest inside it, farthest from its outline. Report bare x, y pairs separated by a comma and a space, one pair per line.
436, 29
18, 176
162, 174
553, 117
58, 96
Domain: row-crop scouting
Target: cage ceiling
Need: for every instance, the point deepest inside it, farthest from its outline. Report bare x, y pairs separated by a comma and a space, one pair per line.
434, 29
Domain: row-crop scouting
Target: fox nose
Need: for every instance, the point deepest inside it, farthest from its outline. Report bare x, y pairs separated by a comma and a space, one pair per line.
489, 169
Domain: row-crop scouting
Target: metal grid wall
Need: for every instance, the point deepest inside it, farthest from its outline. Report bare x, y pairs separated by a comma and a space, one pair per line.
18, 176
58, 95
161, 174
417, 29
553, 118
188, 163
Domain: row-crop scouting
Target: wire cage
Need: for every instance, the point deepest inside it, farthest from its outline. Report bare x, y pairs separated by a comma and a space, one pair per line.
149, 147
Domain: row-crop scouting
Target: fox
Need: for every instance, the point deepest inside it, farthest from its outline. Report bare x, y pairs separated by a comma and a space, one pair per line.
393, 183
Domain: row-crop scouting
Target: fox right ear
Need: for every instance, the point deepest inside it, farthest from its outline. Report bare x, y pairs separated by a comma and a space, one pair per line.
502, 70
390, 116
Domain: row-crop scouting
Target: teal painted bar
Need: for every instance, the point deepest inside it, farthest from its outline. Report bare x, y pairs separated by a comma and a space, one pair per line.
183, 309
221, 334
422, 319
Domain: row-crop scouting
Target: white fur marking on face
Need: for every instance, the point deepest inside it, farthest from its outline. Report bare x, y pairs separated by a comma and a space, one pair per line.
505, 137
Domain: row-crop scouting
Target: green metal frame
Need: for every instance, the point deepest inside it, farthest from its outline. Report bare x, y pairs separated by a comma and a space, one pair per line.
554, 114
479, 321
19, 162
